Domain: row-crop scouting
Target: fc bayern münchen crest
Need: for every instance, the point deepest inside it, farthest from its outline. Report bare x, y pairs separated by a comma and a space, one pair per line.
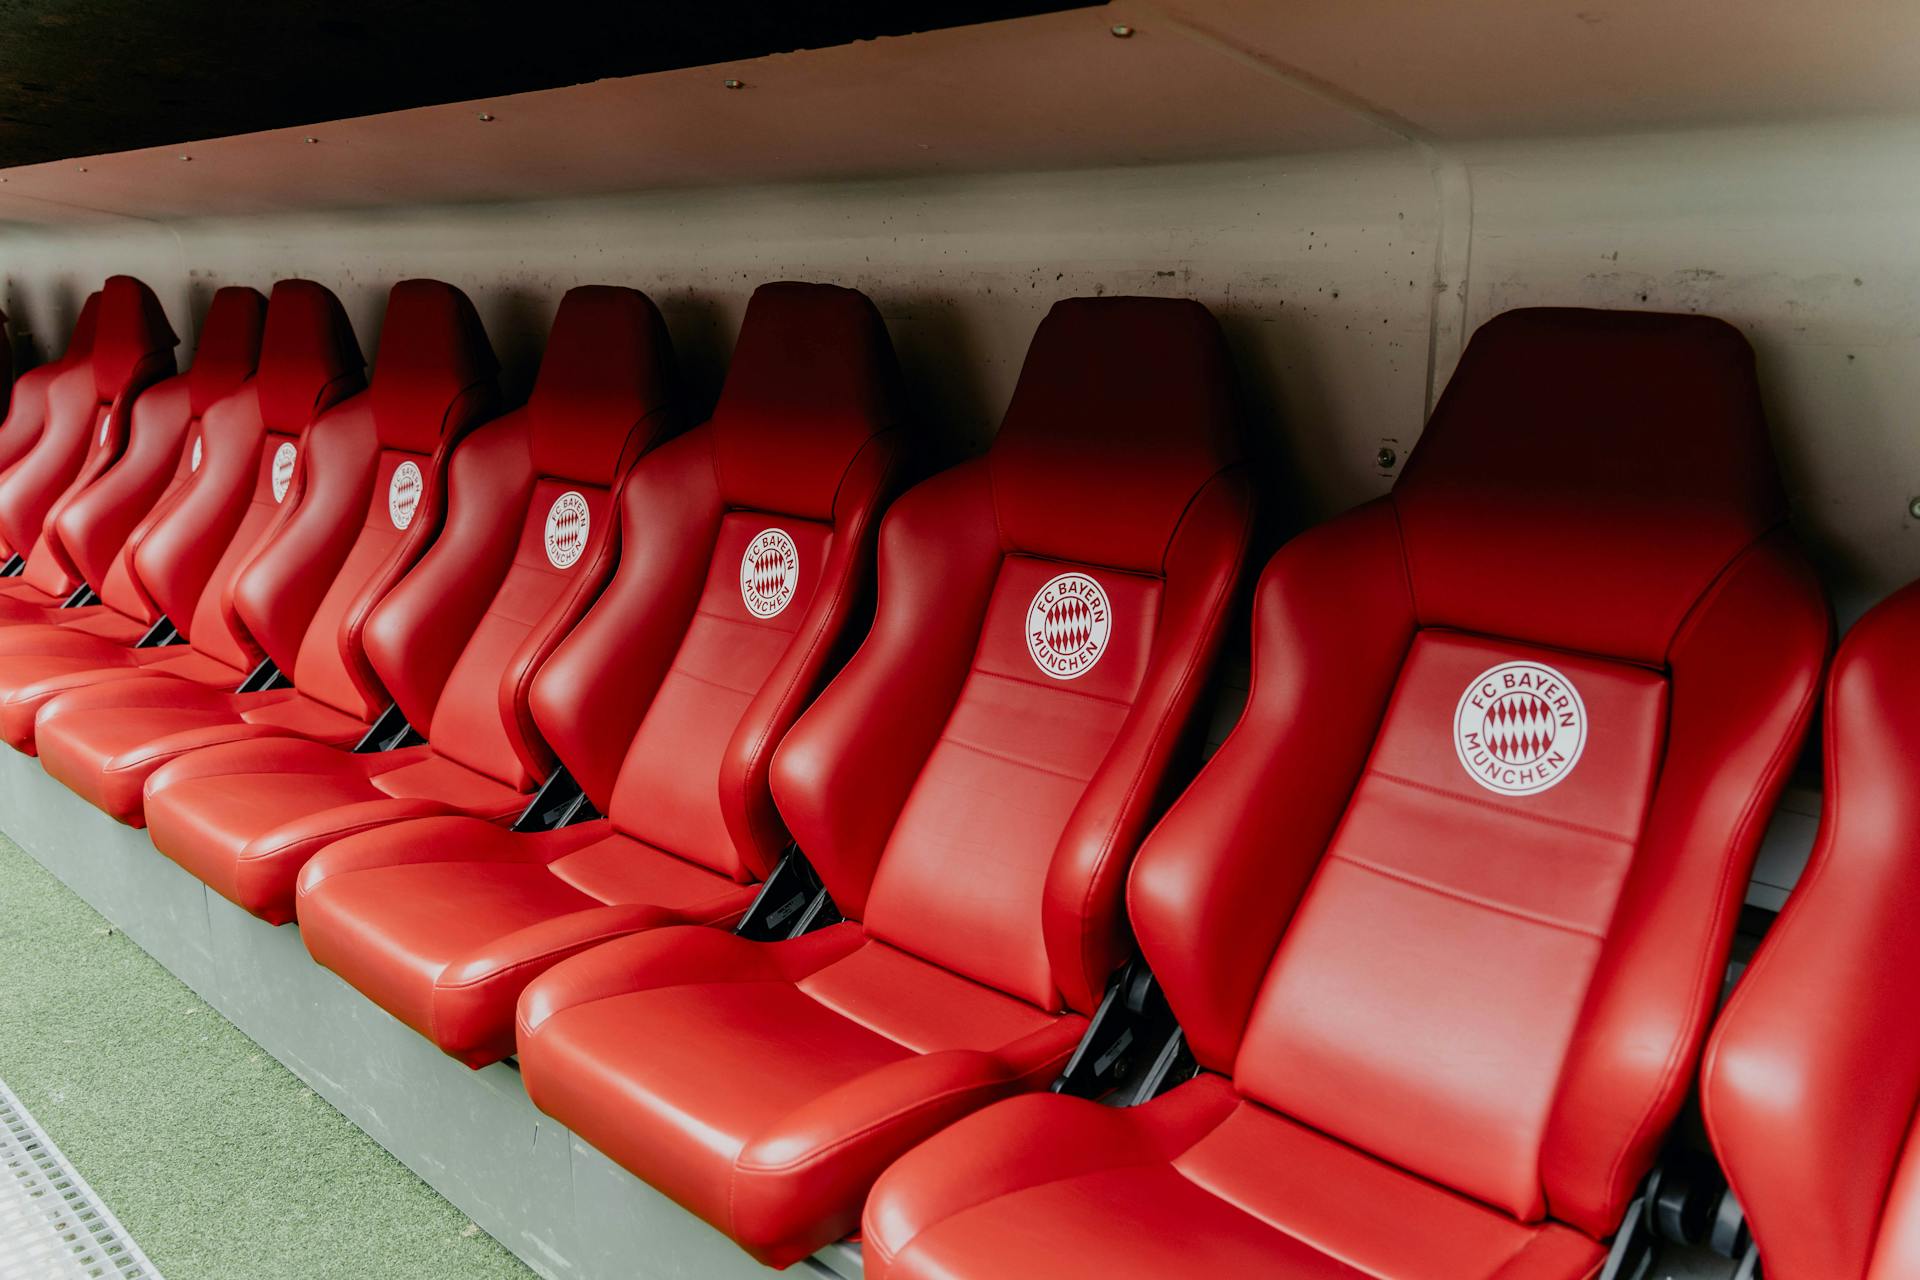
769, 573
283, 460
403, 494
1520, 728
1067, 626
567, 524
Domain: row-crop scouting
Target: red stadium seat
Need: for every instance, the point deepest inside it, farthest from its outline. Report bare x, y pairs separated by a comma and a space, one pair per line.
365, 503
90, 533
746, 552
523, 551
1813, 1076
87, 409
970, 790
1445, 918
27, 404
184, 563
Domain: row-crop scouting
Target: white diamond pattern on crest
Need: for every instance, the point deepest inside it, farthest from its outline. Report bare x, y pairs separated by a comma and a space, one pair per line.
283, 460
52, 1225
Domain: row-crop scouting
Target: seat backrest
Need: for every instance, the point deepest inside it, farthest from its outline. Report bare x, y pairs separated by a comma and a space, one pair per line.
973, 784
525, 546
88, 405
27, 405
241, 464
89, 530
1458, 888
1811, 1083
366, 496
746, 550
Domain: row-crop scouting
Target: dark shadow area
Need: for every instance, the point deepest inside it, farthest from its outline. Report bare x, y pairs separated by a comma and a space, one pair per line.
84, 77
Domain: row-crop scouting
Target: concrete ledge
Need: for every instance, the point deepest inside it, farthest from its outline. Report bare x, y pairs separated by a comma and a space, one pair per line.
566, 1210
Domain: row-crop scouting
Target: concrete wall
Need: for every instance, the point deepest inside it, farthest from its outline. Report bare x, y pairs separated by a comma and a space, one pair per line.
1345, 282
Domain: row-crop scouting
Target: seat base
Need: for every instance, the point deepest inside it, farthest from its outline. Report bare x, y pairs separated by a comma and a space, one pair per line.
1196, 1182
246, 816
765, 1085
443, 921
106, 740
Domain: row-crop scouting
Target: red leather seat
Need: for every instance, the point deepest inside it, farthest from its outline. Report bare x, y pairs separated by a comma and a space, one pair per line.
89, 534
186, 562
970, 789
87, 407
746, 551
26, 413
523, 551
365, 504
1812, 1077
1444, 919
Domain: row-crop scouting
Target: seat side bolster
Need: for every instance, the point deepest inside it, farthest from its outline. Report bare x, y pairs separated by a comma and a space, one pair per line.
842, 774
1082, 912
1810, 1081
1745, 672
1216, 882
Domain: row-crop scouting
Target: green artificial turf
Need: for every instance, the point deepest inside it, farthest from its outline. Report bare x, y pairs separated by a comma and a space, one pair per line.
217, 1159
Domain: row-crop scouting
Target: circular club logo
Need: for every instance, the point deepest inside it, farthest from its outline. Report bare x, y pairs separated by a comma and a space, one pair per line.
1067, 626
194, 465
567, 524
283, 470
1520, 728
403, 494
769, 572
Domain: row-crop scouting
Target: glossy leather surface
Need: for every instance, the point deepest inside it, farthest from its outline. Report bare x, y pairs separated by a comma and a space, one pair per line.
186, 559
85, 425
91, 531
303, 596
972, 812
1197, 1182
665, 702
26, 415
1445, 1021
1812, 1076
457, 640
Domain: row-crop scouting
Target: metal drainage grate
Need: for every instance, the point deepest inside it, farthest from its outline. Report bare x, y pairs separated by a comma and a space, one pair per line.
52, 1225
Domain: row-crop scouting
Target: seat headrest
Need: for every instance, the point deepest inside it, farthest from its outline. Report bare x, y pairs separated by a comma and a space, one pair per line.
812, 379
1585, 477
1124, 409
307, 345
432, 348
130, 329
229, 347
608, 364
80, 341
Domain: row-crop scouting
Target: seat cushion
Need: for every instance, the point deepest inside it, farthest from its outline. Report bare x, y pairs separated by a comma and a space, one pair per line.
1196, 1182
103, 741
22, 602
443, 921
76, 661
765, 1086
245, 817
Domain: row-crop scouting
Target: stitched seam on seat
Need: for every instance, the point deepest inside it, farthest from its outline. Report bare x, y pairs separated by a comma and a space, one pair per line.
1508, 810
1050, 686
711, 684
1458, 895
952, 740
1235, 1205
923, 1103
